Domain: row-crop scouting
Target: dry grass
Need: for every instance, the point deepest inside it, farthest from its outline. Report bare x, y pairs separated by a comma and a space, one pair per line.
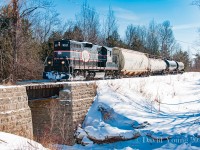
55, 131
106, 113
142, 85
95, 86
113, 86
174, 90
8, 81
44, 140
47, 140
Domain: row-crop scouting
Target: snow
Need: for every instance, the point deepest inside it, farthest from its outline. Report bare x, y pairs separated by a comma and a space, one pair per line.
157, 112
86, 141
13, 142
55, 75
8, 86
11, 111
48, 82
80, 133
66, 90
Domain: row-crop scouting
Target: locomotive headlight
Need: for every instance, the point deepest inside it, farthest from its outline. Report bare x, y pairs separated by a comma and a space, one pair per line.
63, 62
49, 62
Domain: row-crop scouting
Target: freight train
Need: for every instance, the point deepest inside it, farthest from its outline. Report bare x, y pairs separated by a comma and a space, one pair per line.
74, 59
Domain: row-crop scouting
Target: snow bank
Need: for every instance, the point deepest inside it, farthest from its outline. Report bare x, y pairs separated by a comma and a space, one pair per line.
157, 112
13, 142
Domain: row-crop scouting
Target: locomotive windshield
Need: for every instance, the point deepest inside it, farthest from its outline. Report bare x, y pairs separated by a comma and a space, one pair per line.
62, 45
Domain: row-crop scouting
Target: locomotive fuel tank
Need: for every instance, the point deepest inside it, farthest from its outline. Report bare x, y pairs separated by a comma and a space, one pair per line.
157, 65
131, 62
171, 65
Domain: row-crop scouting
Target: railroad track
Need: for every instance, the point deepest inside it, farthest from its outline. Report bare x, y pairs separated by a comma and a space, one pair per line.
45, 81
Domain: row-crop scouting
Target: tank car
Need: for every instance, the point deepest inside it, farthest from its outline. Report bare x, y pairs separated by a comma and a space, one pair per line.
171, 66
180, 67
131, 62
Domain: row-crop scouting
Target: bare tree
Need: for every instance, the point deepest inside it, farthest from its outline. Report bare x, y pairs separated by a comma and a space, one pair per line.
157, 39
88, 21
130, 35
167, 39
196, 65
110, 29
136, 37
6, 40
20, 17
59, 121
73, 32
152, 42
196, 2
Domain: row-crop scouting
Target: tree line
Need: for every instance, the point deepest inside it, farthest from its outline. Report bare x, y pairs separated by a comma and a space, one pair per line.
29, 27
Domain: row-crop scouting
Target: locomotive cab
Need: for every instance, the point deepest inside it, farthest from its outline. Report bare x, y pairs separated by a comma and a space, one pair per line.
62, 45
106, 58
102, 57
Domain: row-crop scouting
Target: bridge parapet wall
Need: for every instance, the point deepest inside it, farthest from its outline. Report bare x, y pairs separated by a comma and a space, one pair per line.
15, 114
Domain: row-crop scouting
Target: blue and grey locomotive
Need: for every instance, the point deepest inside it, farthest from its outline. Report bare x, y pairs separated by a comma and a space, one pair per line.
73, 59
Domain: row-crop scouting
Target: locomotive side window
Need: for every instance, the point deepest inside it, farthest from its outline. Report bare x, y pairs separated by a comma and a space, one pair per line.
114, 59
88, 45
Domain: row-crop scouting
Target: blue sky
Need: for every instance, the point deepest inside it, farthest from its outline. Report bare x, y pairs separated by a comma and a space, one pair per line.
184, 17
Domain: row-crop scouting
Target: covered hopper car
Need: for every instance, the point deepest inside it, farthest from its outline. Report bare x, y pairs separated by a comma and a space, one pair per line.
157, 66
131, 62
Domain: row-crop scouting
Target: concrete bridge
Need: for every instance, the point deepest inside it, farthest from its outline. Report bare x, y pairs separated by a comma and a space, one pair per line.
45, 111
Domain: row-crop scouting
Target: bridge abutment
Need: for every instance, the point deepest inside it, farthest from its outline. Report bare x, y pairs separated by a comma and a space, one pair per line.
33, 111
56, 119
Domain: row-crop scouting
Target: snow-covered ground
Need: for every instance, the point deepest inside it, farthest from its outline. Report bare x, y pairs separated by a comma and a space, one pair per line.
158, 112
13, 142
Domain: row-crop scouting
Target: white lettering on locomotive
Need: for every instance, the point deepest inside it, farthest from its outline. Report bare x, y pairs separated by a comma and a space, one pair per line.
65, 45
